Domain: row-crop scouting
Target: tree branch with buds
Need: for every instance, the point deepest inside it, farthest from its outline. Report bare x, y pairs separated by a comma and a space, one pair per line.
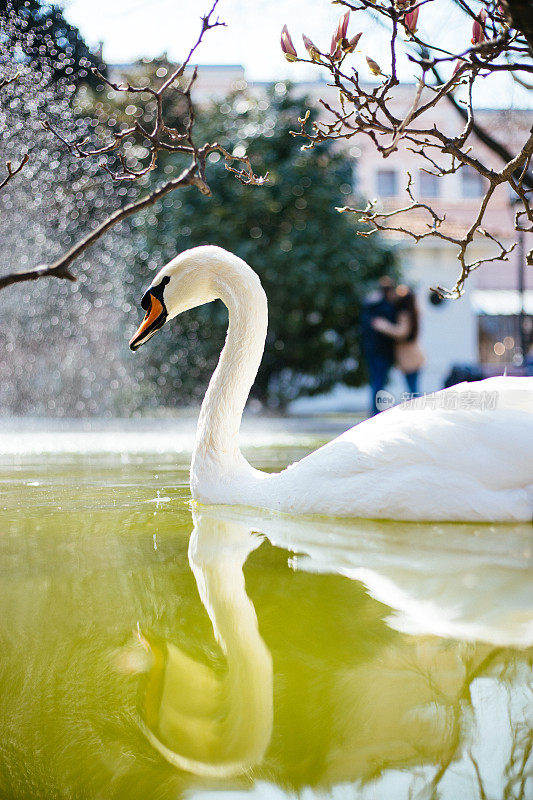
160, 137
498, 44
10, 170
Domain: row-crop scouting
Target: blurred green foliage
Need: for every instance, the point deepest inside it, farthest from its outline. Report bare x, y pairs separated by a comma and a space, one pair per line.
314, 268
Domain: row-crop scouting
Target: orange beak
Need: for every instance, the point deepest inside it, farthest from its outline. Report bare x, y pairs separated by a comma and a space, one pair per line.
154, 319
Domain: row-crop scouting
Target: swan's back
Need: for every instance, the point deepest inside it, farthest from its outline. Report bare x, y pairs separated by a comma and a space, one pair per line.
461, 454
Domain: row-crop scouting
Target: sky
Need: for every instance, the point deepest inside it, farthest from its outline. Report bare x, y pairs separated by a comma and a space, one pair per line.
131, 29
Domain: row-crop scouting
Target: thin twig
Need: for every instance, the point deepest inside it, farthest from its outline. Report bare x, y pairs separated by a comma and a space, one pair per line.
12, 172
371, 111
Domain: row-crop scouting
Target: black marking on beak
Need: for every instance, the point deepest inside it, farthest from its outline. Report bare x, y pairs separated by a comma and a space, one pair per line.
156, 314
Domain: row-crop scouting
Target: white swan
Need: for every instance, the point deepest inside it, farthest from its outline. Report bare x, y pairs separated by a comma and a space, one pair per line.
465, 456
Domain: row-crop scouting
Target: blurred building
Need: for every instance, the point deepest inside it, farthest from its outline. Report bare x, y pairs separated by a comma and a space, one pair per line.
214, 81
483, 326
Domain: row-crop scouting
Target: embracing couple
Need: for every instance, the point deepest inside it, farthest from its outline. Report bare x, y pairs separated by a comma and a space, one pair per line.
390, 328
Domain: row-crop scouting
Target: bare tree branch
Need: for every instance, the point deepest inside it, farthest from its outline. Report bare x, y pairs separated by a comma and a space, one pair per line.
12, 172
60, 268
7, 81
482, 134
161, 137
497, 45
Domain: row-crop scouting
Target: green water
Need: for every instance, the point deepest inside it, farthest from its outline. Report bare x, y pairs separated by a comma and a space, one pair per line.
151, 649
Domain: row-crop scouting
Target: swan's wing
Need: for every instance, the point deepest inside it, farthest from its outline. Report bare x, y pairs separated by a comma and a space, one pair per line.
484, 428
472, 441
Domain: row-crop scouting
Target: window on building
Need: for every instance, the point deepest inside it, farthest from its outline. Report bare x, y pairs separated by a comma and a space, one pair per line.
472, 182
429, 184
387, 182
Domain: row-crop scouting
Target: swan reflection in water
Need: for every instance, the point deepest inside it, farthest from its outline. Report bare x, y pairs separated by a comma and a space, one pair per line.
209, 724
387, 679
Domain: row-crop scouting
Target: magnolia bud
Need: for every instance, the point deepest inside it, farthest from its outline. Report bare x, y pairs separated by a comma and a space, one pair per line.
373, 66
335, 51
349, 46
410, 20
287, 46
342, 28
478, 28
311, 48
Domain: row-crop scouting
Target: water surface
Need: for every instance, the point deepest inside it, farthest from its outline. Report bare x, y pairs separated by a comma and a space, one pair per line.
152, 649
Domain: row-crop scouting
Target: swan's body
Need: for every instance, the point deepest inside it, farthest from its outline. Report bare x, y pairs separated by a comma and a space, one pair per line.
467, 455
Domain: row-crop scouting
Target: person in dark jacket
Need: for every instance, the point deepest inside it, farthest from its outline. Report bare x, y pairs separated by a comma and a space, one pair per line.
378, 347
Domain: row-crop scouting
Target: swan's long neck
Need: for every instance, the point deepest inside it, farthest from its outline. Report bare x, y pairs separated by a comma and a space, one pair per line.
217, 435
243, 715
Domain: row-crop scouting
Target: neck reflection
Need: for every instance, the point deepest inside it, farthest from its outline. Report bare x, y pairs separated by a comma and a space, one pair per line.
214, 725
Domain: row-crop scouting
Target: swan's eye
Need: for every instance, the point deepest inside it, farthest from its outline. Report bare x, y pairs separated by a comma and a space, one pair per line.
146, 301
154, 291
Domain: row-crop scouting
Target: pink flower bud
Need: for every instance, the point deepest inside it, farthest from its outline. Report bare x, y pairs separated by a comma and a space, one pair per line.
478, 28
311, 48
458, 64
349, 46
342, 27
411, 19
287, 46
335, 49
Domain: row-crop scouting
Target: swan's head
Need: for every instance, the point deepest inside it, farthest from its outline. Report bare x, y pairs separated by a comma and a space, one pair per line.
189, 280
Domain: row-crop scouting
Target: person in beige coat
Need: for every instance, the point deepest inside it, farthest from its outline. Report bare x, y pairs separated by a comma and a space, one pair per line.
409, 357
